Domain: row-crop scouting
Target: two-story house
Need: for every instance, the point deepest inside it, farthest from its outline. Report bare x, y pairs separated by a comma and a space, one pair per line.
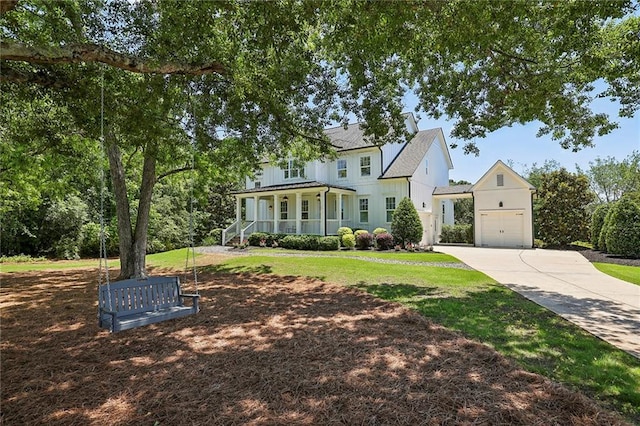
363, 185
359, 189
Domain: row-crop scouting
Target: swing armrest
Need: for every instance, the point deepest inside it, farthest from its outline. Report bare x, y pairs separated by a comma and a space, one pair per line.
194, 298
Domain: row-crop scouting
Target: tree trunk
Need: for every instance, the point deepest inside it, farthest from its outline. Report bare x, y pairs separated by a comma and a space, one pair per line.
132, 243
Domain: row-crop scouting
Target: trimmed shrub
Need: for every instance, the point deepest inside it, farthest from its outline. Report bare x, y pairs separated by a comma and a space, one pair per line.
255, 238
342, 231
300, 242
457, 234
364, 240
349, 241
379, 231
328, 243
406, 226
623, 229
384, 241
360, 231
602, 237
597, 222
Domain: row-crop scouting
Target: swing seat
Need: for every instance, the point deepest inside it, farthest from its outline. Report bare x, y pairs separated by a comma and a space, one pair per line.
137, 302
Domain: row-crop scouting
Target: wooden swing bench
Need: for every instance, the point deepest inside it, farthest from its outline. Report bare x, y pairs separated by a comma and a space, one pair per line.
127, 304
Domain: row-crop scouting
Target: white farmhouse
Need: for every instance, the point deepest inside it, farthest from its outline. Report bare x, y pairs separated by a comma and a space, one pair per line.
363, 185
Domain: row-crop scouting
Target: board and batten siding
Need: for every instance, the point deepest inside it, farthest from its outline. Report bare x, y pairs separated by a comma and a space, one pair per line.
507, 206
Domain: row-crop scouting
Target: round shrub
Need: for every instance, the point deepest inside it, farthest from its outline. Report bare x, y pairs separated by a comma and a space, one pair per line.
328, 243
597, 222
379, 231
364, 240
384, 241
256, 237
623, 230
349, 241
360, 231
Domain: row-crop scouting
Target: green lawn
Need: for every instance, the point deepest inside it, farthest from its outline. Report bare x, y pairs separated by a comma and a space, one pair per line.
406, 256
627, 273
472, 303
174, 259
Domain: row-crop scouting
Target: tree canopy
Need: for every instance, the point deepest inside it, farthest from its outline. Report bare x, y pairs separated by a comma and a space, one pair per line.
236, 81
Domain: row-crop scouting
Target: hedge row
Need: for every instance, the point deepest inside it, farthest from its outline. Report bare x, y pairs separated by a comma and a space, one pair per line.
294, 242
457, 234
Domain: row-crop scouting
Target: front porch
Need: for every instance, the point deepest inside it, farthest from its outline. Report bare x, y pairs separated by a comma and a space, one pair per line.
307, 208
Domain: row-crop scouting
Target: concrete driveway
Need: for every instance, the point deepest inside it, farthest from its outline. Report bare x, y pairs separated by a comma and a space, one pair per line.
567, 284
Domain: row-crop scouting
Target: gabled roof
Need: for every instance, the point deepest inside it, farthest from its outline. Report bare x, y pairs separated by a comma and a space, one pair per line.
408, 160
452, 190
353, 136
500, 164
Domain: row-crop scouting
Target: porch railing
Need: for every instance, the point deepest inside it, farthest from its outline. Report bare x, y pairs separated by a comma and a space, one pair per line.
237, 228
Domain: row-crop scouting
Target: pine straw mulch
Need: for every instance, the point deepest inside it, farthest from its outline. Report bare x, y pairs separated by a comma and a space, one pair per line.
263, 350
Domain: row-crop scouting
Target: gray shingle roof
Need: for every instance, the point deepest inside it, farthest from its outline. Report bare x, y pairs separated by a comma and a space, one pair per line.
408, 160
350, 138
450, 190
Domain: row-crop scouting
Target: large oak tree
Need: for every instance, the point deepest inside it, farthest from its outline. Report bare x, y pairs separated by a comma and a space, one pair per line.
248, 79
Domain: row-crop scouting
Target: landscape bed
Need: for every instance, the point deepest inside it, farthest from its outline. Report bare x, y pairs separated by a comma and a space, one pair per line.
265, 349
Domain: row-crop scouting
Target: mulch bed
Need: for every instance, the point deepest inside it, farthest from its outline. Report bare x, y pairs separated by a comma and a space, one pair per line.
598, 256
264, 350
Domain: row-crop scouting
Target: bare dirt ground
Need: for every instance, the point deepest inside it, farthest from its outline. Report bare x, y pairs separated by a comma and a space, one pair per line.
264, 350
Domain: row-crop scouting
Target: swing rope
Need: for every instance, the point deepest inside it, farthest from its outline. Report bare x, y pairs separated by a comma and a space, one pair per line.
103, 238
192, 251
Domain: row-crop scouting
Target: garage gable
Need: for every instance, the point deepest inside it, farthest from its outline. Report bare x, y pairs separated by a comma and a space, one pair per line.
510, 179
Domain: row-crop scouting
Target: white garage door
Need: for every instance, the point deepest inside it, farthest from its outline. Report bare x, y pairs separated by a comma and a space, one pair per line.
502, 229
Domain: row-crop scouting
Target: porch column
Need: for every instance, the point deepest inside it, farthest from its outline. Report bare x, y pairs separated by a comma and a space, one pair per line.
298, 213
238, 214
255, 208
339, 210
276, 212
323, 229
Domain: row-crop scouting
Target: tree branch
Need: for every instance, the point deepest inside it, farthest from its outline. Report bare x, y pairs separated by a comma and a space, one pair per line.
11, 75
77, 53
509, 55
7, 5
172, 172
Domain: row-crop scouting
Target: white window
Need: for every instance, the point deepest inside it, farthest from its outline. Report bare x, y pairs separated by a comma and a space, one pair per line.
365, 166
291, 172
443, 210
500, 181
390, 205
305, 209
342, 169
284, 210
257, 184
364, 210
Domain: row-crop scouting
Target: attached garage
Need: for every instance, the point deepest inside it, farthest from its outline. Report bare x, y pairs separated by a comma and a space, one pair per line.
503, 209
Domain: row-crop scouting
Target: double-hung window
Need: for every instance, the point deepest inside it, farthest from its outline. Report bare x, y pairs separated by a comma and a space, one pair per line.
365, 166
291, 172
342, 169
390, 206
305, 209
284, 210
364, 210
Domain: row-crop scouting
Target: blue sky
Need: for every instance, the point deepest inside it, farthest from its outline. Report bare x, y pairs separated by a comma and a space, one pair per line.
519, 144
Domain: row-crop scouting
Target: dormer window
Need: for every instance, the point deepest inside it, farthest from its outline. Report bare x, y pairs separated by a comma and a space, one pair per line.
500, 180
342, 169
290, 172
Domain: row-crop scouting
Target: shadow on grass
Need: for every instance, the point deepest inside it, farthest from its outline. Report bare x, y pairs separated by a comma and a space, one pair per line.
535, 337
